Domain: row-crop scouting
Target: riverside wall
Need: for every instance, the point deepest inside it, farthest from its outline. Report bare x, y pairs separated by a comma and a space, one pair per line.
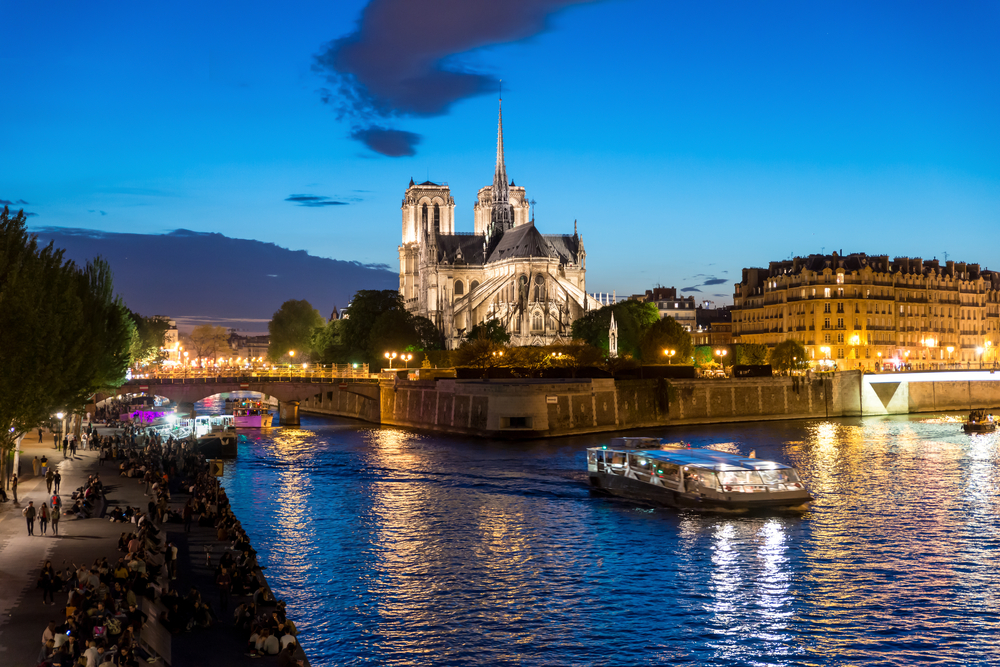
527, 408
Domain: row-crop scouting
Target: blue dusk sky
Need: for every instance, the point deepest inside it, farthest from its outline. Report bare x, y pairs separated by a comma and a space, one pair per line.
688, 139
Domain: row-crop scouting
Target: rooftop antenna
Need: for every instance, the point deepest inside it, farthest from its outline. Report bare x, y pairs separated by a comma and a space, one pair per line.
945, 257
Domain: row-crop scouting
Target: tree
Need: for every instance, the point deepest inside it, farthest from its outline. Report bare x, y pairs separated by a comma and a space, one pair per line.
492, 330
429, 335
788, 354
328, 344
482, 353
292, 327
147, 343
208, 340
392, 332
666, 334
366, 307
632, 318
63, 333
749, 354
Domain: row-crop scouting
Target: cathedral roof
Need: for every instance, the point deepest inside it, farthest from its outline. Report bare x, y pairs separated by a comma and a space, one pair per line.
460, 248
523, 241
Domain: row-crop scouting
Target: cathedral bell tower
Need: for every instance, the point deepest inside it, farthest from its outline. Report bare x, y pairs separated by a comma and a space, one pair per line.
502, 214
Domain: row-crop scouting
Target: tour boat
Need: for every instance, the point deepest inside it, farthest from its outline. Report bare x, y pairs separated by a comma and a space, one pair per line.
218, 444
251, 414
979, 422
673, 474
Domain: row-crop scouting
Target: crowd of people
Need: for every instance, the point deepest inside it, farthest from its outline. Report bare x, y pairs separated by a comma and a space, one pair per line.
104, 602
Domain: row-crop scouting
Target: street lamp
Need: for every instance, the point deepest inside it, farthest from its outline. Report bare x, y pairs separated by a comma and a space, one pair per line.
390, 356
406, 359
979, 354
670, 354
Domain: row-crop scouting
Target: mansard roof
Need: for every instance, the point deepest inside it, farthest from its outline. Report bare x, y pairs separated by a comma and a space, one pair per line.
526, 241
566, 246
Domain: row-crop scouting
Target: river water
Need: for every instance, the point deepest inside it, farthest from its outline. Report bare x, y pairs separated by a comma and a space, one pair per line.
402, 548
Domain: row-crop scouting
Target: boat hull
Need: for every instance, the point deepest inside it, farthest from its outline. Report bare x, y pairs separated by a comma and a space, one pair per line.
626, 487
253, 421
980, 427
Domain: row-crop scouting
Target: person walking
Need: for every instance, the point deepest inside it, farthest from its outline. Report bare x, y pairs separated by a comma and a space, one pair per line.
46, 581
65, 445
56, 479
39, 435
29, 516
54, 516
49, 478
13, 488
43, 517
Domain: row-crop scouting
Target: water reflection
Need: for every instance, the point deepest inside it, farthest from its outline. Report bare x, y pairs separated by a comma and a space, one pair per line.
401, 548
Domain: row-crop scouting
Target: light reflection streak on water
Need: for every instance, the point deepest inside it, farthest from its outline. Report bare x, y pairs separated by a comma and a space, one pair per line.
416, 549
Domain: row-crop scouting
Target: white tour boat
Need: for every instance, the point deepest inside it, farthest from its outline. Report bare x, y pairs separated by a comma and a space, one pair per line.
673, 474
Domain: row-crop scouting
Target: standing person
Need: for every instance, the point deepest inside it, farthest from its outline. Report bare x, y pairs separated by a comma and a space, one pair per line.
188, 513
29, 516
13, 487
39, 434
54, 516
36, 466
72, 447
49, 478
43, 517
55, 440
225, 586
56, 479
65, 445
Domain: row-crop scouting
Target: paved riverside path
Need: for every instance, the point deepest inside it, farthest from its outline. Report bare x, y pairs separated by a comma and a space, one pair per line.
23, 617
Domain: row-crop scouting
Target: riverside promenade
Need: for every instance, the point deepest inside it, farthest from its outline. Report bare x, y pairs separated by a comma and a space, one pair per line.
23, 616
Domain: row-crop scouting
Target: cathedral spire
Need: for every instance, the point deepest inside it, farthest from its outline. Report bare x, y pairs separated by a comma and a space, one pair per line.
502, 215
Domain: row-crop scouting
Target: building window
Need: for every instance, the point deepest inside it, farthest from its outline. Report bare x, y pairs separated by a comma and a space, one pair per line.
826, 322
536, 321
826, 290
473, 285
437, 219
423, 219
840, 338
539, 288
826, 308
840, 322
459, 288
826, 338
840, 353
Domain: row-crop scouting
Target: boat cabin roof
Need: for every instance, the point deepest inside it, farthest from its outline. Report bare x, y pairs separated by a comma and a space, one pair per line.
708, 459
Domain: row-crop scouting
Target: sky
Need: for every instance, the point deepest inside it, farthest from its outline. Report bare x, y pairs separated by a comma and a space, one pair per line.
688, 139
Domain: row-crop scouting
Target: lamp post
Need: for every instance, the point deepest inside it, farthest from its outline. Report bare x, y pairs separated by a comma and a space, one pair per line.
669, 353
390, 356
406, 359
721, 353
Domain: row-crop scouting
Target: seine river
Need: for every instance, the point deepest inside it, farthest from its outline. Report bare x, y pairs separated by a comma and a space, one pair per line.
400, 548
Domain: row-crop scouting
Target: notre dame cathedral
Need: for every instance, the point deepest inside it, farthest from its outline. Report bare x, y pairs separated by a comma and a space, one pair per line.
505, 270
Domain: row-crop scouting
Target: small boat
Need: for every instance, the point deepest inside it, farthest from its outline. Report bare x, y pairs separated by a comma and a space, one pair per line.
218, 444
675, 475
979, 422
251, 414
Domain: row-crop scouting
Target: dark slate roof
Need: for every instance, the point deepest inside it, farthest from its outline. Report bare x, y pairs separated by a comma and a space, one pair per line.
522, 241
567, 246
471, 246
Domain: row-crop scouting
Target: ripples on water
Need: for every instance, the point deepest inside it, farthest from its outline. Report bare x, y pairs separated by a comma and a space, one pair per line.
409, 549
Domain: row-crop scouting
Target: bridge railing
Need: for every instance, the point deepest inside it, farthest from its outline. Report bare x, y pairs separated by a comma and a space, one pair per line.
232, 374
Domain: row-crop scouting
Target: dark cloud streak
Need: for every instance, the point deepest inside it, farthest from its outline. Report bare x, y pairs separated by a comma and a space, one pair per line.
399, 62
314, 201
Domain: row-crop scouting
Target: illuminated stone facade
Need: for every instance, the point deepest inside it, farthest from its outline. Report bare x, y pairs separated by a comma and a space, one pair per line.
859, 311
535, 284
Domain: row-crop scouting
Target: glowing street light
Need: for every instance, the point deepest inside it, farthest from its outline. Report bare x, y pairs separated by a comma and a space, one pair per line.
390, 356
669, 353
406, 358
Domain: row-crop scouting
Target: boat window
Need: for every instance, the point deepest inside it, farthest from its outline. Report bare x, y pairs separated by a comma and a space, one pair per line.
738, 478
639, 462
617, 458
593, 456
779, 476
668, 471
705, 478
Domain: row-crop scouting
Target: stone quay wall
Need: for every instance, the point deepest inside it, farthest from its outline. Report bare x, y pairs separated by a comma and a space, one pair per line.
529, 408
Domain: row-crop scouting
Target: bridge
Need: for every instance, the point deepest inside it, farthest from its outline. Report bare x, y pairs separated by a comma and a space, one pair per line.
355, 390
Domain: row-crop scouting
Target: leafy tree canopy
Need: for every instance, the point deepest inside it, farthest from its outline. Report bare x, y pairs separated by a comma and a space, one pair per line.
750, 354
666, 334
148, 339
292, 327
788, 354
63, 332
632, 318
209, 340
492, 330
366, 307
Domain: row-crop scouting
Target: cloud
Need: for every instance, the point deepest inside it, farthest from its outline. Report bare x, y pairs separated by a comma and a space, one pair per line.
93, 211
715, 281
314, 201
690, 289
19, 202
400, 59
29, 214
391, 143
